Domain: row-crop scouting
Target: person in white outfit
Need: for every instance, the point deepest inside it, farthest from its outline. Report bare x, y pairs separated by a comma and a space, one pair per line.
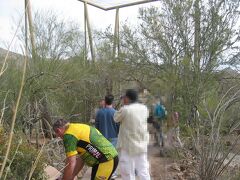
133, 138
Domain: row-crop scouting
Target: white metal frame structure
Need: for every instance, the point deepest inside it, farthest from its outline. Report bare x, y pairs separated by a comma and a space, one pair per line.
107, 5
114, 4
101, 4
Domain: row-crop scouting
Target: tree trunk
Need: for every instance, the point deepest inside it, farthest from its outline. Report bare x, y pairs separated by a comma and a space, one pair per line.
197, 35
46, 119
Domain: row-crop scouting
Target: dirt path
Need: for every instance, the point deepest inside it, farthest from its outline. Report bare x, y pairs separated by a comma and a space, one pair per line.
159, 165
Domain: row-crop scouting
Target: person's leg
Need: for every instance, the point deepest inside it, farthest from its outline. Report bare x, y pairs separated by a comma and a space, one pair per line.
156, 132
94, 171
116, 160
114, 143
127, 166
161, 137
104, 170
142, 166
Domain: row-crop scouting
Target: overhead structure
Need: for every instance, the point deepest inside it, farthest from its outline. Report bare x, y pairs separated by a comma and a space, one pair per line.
101, 4
107, 5
114, 4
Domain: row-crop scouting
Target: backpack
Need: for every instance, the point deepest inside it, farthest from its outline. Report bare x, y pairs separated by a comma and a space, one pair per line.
160, 111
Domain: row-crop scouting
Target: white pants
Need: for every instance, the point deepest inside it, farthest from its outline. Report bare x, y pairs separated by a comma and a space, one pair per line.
129, 163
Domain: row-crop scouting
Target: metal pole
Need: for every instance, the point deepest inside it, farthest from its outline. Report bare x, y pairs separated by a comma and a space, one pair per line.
129, 4
85, 59
116, 33
118, 6
94, 5
89, 33
85, 35
118, 36
26, 26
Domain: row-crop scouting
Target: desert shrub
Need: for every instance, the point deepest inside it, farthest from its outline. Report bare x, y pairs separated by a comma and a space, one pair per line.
213, 155
185, 130
21, 159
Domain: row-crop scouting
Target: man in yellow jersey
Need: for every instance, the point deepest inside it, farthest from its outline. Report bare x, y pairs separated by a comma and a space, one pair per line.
92, 147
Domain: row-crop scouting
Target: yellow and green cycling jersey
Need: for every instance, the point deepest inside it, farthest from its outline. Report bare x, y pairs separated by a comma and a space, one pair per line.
87, 141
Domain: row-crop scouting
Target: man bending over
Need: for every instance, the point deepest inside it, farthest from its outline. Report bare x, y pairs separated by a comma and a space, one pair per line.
92, 147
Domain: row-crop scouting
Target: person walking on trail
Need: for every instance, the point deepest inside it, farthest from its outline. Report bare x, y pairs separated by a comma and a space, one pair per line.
102, 103
105, 123
193, 119
176, 128
94, 114
160, 114
133, 138
92, 147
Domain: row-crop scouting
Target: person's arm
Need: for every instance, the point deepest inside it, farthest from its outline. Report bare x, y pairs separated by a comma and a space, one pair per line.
120, 115
79, 166
70, 144
69, 169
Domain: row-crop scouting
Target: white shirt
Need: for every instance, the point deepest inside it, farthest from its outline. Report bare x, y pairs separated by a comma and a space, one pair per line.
133, 134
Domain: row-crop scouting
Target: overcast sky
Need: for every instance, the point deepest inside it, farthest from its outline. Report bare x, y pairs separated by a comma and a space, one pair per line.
72, 10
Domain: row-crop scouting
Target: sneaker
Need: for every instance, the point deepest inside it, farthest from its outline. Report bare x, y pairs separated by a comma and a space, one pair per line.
114, 176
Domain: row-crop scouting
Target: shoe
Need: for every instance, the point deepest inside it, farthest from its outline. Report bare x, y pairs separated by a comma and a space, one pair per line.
114, 176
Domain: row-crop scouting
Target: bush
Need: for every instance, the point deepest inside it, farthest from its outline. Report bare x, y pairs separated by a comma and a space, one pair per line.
185, 130
21, 158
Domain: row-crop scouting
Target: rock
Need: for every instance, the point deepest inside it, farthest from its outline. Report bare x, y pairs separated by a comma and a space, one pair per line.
180, 176
52, 173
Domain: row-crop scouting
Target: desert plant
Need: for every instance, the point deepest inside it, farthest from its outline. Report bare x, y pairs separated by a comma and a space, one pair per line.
212, 153
21, 158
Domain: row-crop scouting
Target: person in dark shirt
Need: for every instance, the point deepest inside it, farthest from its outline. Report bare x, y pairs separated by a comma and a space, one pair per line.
106, 125
104, 121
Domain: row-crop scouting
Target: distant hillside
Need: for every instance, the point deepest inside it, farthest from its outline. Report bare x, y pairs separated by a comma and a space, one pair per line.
229, 73
13, 58
3, 52
12, 55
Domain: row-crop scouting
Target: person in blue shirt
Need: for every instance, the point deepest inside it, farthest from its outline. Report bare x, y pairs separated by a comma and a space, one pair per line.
104, 121
160, 114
